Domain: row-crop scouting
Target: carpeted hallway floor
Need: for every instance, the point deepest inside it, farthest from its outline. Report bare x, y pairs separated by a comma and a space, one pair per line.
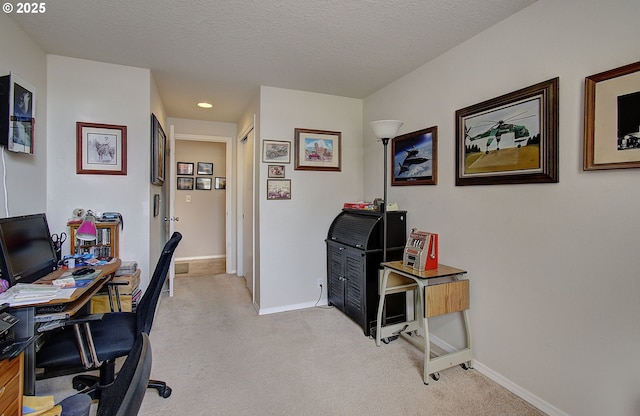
221, 358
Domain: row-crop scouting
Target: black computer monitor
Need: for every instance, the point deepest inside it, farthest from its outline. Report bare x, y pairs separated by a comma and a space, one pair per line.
26, 250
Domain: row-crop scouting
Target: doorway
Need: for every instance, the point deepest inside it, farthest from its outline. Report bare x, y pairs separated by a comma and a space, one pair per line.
204, 181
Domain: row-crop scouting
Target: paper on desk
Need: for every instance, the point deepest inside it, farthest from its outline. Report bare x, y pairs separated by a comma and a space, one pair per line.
26, 294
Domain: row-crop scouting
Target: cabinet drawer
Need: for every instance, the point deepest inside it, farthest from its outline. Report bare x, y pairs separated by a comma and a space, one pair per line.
9, 397
8, 369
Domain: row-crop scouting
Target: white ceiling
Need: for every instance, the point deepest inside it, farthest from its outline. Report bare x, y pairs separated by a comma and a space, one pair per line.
221, 51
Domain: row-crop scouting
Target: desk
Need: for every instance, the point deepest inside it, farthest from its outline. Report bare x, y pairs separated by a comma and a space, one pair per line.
29, 320
451, 294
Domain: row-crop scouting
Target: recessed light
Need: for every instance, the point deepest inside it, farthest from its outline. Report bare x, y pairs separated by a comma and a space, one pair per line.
205, 105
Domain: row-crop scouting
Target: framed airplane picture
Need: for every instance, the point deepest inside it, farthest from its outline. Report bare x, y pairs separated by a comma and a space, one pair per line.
415, 158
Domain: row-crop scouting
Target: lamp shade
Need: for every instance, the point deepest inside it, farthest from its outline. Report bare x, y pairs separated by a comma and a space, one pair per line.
87, 231
386, 129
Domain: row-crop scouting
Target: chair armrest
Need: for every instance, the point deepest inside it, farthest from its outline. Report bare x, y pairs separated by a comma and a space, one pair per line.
83, 319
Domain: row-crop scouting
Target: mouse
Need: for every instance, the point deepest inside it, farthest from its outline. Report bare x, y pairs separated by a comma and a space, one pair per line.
83, 271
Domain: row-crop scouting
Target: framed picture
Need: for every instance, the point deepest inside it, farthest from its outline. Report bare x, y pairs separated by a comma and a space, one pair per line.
317, 150
276, 151
184, 183
509, 139
205, 168
22, 113
156, 204
612, 119
101, 149
221, 183
275, 171
278, 189
415, 158
184, 168
158, 145
203, 184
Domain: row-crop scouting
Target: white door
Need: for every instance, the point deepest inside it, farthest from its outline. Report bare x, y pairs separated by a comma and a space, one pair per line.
169, 219
247, 210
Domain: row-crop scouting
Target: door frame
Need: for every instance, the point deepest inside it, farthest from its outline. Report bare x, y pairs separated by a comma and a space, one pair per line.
230, 211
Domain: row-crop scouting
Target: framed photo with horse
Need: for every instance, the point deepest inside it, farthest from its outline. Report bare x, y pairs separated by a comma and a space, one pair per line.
101, 149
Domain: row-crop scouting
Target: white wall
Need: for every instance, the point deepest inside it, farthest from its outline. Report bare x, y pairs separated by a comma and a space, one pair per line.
292, 232
80, 90
553, 267
25, 174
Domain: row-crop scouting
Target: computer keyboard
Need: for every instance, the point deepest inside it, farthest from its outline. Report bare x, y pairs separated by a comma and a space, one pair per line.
45, 309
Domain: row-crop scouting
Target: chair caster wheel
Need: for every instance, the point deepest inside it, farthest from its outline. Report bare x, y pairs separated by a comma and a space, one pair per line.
78, 386
166, 392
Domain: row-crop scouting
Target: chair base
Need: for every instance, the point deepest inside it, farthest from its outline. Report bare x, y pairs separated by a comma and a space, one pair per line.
92, 386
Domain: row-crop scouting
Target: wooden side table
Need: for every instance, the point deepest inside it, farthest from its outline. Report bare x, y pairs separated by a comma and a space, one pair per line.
430, 300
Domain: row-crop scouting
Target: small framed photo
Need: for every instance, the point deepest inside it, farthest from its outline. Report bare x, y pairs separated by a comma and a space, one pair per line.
156, 204
415, 158
278, 189
101, 149
203, 184
511, 139
276, 151
184, 168
22, 113
221, 183
184, 183
205, 168
317, 150
275, 171
612, 119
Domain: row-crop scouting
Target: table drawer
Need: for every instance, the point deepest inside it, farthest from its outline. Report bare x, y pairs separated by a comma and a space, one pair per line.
446, 298
10, 397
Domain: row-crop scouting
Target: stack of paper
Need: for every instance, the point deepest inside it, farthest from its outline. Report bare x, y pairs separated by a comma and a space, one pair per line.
25, 293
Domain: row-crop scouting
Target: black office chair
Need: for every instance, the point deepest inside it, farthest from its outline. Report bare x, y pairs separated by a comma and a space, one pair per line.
113, 336
123, 397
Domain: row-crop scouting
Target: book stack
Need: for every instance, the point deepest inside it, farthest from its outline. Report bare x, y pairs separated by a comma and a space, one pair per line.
130, 293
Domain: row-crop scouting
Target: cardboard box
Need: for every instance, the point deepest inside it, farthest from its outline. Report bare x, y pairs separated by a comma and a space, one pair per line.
100, 303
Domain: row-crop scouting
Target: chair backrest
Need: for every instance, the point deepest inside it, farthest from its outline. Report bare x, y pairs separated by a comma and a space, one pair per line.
124, 396
146, 309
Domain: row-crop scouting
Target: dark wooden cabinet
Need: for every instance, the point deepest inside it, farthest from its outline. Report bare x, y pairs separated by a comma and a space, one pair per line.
354, 253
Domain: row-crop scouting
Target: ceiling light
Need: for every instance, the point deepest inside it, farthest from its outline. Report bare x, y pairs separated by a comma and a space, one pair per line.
205, 105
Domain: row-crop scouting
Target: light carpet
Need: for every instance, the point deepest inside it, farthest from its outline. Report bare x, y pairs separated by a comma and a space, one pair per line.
221, 358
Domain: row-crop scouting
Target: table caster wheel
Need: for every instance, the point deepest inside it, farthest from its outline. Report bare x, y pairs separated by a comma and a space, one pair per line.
391, 338
465, 366
435, 376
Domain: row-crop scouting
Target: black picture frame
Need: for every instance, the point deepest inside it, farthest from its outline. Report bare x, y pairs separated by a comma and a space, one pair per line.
511, 139
414, 158
205, 168
184, 183
158, 146
184, 168
203, 184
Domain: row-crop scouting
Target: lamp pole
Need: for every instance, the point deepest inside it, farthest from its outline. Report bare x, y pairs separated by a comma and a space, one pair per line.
385, 142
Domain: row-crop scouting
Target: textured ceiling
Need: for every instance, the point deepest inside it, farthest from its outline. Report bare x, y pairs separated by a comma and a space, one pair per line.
221, 51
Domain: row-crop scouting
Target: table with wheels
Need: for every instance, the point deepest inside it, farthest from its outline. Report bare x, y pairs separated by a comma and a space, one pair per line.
436, 292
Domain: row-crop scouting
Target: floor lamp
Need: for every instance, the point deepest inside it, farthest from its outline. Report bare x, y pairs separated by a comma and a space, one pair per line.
384, 131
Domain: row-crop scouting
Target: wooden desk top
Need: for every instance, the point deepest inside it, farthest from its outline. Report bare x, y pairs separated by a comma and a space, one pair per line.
442, 270
82, 292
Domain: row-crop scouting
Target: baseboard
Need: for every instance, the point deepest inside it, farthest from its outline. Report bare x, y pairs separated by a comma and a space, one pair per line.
216, 256
268, 311
505, 382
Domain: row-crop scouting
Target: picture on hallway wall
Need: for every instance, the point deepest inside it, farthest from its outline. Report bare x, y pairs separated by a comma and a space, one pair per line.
221, 183
158, 146
184, 183
415, 158
184, 168
203, 184
317, 150
101, 149
509, 139
612, 119
205, 168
